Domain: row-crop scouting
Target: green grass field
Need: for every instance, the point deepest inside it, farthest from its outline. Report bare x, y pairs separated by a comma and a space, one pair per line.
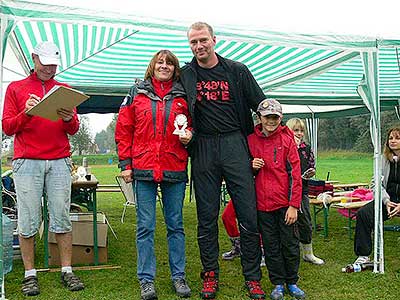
319, 282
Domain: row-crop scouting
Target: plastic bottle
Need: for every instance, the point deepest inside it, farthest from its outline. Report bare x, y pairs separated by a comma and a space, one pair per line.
8, 228
352, 268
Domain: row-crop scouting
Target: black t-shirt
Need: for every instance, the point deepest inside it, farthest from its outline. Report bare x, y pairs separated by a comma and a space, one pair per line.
215, 110
393, 185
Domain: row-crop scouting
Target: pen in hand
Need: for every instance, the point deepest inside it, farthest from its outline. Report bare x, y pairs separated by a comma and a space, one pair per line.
31, 102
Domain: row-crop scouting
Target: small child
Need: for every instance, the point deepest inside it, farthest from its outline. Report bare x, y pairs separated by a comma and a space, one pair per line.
307, 163
231, 227
276, 164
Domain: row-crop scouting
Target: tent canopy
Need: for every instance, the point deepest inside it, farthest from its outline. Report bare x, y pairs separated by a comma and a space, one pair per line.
102, 53
326, 75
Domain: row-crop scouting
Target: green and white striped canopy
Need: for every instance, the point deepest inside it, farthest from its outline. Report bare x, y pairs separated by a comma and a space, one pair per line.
102, 54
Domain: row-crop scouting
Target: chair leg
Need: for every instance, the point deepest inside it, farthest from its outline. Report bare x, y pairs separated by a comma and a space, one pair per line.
123, 213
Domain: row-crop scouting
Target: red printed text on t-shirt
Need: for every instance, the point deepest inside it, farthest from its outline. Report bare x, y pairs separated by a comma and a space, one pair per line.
213, 90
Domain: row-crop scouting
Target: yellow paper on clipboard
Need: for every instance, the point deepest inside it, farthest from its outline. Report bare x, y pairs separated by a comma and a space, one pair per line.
58, 97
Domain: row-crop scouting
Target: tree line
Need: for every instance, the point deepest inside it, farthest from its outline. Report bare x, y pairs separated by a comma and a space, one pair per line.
352, 133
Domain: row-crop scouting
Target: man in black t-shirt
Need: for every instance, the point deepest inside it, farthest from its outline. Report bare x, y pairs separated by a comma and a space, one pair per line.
221, 94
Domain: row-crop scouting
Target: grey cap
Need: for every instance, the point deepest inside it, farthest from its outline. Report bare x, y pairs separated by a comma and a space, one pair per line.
270, 106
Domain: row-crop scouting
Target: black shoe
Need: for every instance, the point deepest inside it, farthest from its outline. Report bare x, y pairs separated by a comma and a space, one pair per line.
148, 291
72, 282
30, 286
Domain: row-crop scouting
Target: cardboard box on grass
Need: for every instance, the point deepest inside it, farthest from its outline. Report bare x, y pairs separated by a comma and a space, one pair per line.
80, 255
82, 240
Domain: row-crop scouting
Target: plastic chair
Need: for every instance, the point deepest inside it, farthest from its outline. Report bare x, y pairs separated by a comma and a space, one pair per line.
129, 195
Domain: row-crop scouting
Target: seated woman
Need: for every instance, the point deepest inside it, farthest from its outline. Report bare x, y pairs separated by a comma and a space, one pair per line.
390, 197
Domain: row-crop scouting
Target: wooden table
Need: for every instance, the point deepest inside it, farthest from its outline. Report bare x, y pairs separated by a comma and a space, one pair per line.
349, 186
83, 193
352, 208
341, 193
319, 205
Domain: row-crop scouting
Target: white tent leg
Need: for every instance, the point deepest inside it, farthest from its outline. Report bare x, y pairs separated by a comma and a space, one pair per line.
369, 92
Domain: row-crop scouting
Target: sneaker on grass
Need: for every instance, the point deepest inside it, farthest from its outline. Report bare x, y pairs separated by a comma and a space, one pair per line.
278, 292
148, 291
181, 288
296, 292
30, 286
210, 285
72, 282
362, 260
255, 289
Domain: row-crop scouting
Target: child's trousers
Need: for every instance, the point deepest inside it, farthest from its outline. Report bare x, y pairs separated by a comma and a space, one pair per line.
281, 246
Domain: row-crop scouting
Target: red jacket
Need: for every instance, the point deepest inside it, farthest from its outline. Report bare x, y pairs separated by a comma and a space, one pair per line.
278, 182
35, 137
144, 132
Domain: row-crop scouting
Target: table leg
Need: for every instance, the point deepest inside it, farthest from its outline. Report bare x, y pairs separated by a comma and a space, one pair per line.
95, 245
326, 214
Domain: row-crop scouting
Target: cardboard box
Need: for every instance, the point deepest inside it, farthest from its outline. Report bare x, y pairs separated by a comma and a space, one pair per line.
82, 240
80, 255
82, 234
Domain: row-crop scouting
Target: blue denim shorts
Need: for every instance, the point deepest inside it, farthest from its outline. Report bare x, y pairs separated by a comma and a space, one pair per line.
33, 178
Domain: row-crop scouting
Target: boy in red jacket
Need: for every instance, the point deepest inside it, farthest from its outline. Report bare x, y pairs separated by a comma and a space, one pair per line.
276, 164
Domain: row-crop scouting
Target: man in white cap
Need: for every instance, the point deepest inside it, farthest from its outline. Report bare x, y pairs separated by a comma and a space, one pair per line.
41, 164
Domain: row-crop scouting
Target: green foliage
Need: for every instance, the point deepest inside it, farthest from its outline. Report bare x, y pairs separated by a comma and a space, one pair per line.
352, 133
320, 282
81, 141
105, 139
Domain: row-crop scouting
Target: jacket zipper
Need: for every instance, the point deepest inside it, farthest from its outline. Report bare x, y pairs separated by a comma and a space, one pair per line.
43, 88
275, 155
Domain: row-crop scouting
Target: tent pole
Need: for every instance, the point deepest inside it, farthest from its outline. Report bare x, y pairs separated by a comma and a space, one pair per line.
368, 89
3, 27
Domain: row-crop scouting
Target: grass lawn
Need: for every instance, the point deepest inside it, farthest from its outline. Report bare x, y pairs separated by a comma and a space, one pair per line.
319, 282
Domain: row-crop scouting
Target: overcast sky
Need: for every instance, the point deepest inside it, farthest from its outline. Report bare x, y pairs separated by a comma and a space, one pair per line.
371, 18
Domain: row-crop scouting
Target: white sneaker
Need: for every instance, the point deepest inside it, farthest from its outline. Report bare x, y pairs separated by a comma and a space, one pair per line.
362, 260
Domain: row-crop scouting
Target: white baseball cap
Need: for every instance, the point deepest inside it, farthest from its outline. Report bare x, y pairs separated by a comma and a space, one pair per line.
48, 53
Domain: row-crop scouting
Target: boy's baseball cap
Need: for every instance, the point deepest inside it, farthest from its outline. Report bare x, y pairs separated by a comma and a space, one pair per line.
48, 53
270, 106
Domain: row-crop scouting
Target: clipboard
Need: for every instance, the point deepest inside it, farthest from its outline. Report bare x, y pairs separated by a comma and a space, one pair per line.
58, 97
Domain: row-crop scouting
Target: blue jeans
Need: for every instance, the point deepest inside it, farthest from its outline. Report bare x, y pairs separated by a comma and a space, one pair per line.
173, 195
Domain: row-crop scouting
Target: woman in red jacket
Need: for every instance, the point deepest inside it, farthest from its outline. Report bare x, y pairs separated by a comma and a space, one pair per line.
152, 153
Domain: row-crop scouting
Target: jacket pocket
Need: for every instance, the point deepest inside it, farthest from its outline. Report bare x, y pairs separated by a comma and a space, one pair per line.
140, 151
179, 155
